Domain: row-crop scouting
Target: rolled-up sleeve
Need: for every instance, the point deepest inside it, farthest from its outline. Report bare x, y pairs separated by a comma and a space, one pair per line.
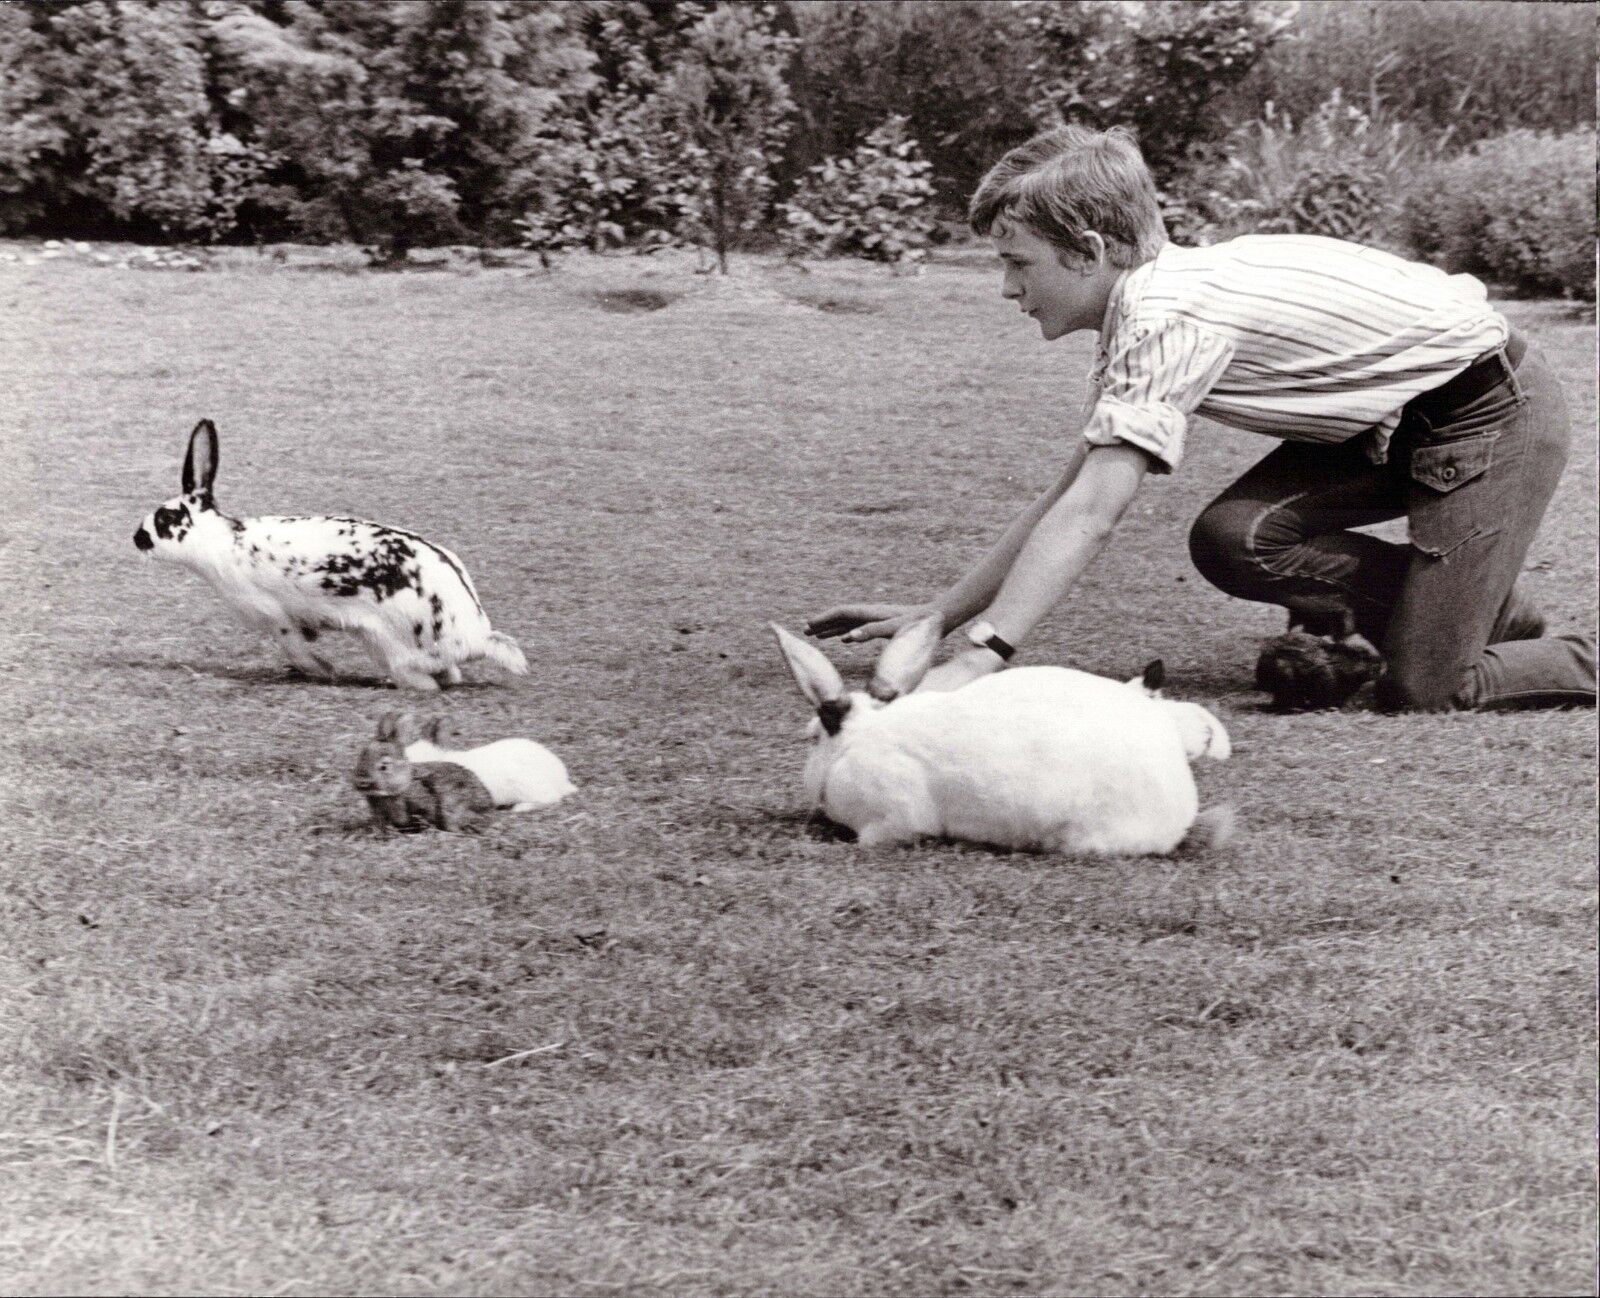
1150, 382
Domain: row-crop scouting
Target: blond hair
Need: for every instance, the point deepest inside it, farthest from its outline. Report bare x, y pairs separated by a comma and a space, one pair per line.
1072, 180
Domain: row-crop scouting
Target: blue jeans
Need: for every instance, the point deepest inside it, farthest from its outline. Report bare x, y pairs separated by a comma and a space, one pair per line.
1474, 486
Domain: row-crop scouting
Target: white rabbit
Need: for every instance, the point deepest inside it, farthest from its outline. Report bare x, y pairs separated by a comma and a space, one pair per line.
1202, 734
1043, 758
410, 601
519, 773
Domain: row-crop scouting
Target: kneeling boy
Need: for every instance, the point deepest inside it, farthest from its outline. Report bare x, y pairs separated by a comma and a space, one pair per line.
1394, 389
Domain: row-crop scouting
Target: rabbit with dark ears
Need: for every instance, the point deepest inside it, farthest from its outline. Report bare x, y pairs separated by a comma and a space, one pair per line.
410, 795
1040, 758
1305, 672
411, 602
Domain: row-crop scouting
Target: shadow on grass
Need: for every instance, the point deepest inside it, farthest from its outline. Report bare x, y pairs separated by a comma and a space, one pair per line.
271, 674
836, 303
632, 301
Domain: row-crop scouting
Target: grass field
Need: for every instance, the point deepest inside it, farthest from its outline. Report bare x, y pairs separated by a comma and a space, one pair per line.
248, 1046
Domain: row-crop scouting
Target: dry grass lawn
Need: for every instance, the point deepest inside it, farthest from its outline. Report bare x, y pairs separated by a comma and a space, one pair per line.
672, 1037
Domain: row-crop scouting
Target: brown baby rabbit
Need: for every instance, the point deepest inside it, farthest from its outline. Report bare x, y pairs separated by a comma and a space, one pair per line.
1305, 672
409, 795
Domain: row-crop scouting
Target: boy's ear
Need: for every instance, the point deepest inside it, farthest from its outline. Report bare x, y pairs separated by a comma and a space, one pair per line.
1099, 255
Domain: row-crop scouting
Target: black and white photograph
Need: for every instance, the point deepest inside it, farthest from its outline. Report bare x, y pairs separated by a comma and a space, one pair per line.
853, 648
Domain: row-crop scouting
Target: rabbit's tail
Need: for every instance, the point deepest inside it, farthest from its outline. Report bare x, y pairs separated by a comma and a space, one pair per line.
1213, 828
502, 650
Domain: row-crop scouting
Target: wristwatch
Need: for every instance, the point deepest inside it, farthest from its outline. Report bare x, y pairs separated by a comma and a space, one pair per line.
984, 636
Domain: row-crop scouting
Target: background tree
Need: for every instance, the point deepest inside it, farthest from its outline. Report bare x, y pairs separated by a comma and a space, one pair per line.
1469, 70
106, 125
727, 104
609, 173
1164, 70
872, 203
402, 124
956, 70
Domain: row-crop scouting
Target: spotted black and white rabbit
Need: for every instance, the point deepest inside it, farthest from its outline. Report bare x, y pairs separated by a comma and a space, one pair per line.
411, 602
409, 795
1042, 758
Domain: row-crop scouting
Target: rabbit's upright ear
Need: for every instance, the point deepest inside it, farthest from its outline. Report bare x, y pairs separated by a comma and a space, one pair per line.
405, 727
1154, 676
817, 678
442, 731
389, 727
906, 658
200, 464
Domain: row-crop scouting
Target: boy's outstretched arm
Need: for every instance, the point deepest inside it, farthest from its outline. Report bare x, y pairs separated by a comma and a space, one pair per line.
1071, 533
1061, 544
971, 594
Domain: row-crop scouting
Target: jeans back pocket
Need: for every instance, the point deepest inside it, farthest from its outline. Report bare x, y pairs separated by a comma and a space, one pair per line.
1442, 514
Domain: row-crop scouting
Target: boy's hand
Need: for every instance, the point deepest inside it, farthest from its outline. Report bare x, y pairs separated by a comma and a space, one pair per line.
959, 670
855, 622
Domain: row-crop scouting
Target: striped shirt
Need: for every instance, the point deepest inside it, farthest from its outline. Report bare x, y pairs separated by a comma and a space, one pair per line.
1295, 336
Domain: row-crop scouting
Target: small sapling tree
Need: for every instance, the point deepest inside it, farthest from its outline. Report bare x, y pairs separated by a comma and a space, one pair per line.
727, 106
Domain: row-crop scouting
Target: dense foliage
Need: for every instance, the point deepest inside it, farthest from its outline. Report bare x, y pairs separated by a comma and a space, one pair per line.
872, 204
1519, 208
611, 123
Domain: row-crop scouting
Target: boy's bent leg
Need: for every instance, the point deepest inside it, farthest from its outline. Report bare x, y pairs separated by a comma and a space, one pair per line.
1469, 542
1557, 672
1279, 535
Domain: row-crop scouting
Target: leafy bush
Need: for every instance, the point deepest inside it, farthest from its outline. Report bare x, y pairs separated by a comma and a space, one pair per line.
1340, 173
105, 124
871, 204
610, 174
957, 70
1519, 208
1159, 69
1466, 70
609, 181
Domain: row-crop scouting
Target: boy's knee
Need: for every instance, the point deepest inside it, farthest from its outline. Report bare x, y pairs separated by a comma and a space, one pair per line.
1420, 691
1219, 542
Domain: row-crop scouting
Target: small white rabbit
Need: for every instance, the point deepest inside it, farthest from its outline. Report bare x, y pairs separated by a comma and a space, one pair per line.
519, 773
1044, 758
410, 601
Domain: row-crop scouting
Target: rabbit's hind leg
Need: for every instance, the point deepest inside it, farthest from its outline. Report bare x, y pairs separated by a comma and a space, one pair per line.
396, 662
292, 642
409, 678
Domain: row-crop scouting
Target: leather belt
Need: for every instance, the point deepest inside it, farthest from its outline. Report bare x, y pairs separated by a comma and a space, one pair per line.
1481, 377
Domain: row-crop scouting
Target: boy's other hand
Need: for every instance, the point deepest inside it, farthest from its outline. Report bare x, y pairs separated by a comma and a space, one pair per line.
855, 622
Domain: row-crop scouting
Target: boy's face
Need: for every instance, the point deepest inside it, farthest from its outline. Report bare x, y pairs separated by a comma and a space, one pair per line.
1061, 298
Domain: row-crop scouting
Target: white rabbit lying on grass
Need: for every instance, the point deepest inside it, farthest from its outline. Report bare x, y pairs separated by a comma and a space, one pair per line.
519, 773
1043, 758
